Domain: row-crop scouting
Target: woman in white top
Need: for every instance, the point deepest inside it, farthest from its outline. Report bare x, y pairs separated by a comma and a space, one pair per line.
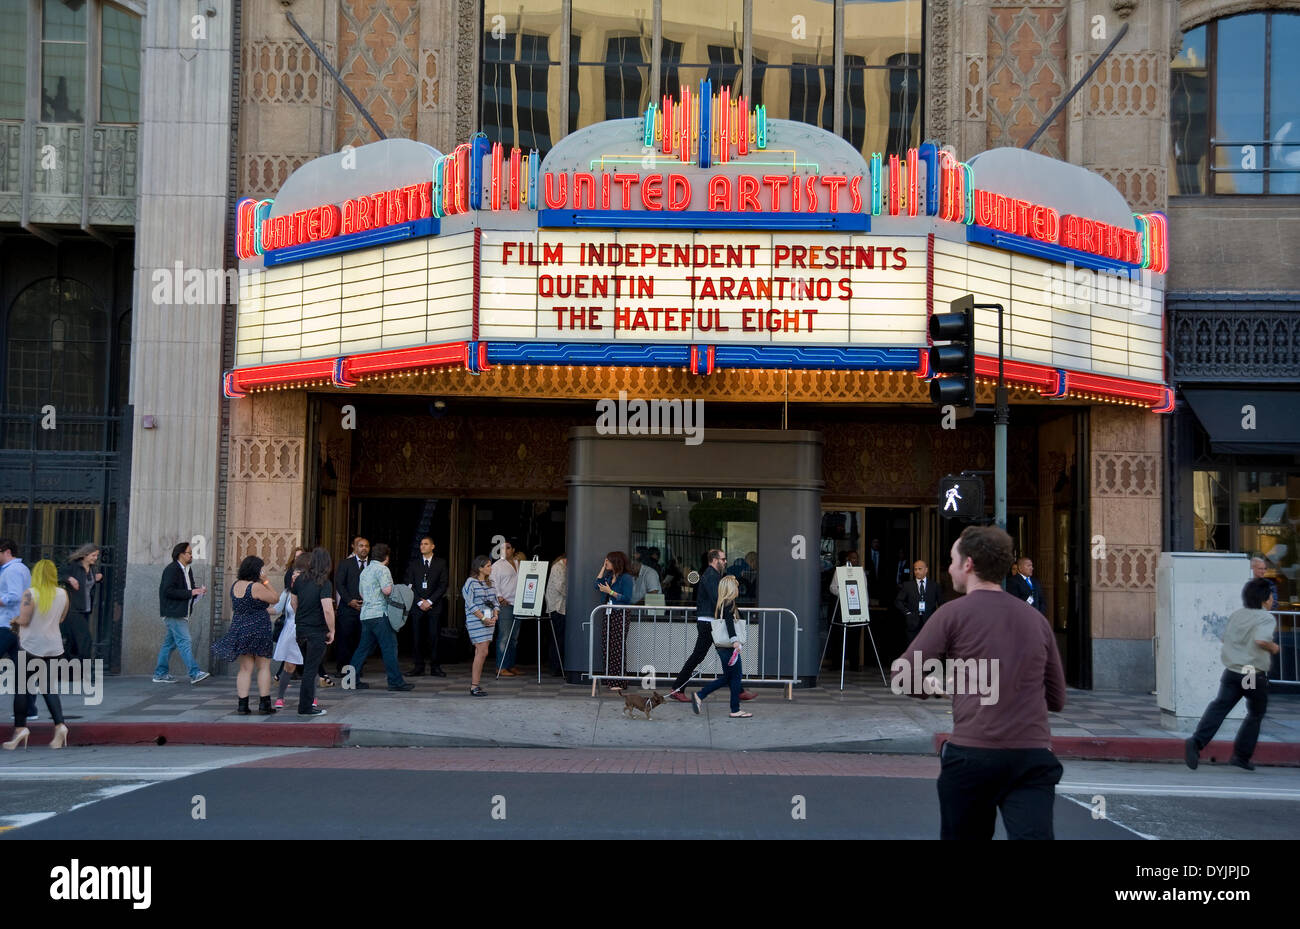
44, 607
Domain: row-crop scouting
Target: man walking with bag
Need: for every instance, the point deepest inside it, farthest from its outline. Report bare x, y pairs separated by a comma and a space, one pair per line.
376, 584
706, 604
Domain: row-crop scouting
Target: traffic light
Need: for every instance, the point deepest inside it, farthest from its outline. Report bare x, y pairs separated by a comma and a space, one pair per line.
961, 497
957, 358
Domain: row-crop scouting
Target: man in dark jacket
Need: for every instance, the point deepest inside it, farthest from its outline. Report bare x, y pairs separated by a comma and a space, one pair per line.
918, 598
427, 575
706, 604
176, 596
347, 583
1023, 585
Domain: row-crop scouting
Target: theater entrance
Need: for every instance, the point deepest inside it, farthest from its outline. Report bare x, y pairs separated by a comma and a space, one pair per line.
461, 529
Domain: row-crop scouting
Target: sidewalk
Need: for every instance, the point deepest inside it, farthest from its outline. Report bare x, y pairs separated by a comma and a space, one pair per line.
519, 712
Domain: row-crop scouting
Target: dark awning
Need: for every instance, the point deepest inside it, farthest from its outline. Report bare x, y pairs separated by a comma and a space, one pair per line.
1249, 422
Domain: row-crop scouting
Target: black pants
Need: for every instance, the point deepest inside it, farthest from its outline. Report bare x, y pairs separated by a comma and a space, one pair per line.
9, 650
703, 643
424, 630
974, 783
557, 643
76, 635
1231, 690
25, 703
347, 636
311, 642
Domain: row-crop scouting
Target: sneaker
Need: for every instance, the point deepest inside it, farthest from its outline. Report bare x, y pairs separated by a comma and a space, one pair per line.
748, 695
200, 677
1243, 763
695, 703
679, 697
405, 685
477, 691
1190, 754
314, 704
314, 711
164, 679
279, 704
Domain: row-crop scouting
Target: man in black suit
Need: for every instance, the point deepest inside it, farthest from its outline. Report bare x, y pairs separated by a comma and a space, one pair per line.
427, 576
1023, 585
347, 582
917, 599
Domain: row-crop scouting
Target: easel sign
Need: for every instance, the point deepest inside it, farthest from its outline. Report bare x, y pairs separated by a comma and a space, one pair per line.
530, 589
852, 583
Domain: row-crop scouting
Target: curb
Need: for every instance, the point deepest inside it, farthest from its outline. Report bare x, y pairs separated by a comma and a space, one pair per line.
1078, 748
311, 735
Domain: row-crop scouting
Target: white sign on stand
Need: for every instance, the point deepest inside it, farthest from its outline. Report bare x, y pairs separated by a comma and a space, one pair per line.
852, 583
530, 589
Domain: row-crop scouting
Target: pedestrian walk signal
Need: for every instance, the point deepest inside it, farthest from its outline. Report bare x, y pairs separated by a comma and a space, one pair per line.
961, 497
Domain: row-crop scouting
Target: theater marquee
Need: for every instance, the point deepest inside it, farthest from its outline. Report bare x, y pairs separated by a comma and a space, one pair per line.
703, 236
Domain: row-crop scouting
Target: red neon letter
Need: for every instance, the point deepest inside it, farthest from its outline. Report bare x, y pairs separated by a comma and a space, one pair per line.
719, 194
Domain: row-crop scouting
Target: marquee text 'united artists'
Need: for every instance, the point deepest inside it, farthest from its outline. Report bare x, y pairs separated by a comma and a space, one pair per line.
701, 287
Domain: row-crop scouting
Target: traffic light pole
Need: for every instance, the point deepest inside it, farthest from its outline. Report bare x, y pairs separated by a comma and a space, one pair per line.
1001, 419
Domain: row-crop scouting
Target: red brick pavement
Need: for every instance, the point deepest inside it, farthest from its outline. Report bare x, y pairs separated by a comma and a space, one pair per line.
595, 761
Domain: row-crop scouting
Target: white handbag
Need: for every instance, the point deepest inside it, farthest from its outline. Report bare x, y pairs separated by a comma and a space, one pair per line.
720, 636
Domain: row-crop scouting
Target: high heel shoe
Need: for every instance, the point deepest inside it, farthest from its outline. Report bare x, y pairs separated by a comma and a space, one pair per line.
60, 739
20, 738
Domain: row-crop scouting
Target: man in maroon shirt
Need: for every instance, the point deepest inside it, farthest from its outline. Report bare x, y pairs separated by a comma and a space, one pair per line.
1000, 755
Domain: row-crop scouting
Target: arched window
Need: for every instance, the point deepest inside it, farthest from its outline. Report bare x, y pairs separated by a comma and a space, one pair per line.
1234, 115
57, 350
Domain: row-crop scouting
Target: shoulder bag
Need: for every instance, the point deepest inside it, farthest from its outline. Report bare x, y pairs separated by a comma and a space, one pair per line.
720, 636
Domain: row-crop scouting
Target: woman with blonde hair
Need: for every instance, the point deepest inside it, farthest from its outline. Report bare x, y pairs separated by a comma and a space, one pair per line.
729, 655
44, 606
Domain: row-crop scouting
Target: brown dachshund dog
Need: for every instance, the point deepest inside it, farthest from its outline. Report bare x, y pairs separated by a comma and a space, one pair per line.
633, 702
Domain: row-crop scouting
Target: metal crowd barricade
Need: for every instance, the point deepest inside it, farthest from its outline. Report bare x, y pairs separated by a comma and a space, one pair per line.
658, 640
1288, 639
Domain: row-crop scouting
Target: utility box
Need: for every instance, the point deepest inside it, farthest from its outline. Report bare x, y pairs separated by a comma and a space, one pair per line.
1196, 592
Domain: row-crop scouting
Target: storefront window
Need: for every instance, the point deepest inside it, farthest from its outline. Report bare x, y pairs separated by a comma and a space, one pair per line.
611, 48
882, 70
1268, 508
1210, 511
13, 58
63, 62
521, 50
1233, 109
673, 531
610, 54
119, 82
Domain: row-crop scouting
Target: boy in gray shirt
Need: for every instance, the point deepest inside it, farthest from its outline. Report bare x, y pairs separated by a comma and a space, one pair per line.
1247, 645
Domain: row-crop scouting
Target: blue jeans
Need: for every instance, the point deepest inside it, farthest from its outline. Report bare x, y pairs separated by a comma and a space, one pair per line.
507, 637
178, 638
378, 632
730, 677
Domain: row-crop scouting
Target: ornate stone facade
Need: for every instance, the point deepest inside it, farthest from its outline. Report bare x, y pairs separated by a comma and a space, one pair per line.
1026, 75
264, 485
379, 59
1126, 522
